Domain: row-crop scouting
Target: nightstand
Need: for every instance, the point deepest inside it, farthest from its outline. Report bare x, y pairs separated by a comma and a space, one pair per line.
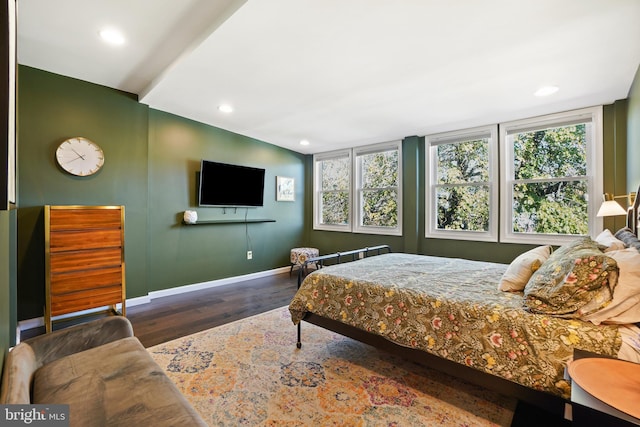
593, 375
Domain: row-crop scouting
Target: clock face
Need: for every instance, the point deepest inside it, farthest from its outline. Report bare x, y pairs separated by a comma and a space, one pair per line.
79, 156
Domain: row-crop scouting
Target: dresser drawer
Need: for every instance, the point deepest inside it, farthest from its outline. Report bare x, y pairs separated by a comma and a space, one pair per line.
81, 280
64, 262
86, 239
87, 299
84, 218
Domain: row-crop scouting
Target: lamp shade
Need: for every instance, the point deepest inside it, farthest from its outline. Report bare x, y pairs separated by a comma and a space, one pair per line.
611, 208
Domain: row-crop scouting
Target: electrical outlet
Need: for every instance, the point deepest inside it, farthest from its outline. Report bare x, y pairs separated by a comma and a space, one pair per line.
249, 254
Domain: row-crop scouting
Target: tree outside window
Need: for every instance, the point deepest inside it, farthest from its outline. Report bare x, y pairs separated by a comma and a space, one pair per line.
378, 189
552, 177
376, 204
333, 195
550, 191
461, 200
462, 189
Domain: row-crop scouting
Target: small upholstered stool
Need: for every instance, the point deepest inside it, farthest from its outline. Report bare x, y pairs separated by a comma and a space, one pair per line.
300, 255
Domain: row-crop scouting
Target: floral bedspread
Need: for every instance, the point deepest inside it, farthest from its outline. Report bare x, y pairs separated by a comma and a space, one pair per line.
453, 309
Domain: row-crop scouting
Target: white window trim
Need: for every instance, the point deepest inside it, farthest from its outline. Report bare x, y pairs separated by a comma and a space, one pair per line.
431, 143
357, 202
594, 173
317, 205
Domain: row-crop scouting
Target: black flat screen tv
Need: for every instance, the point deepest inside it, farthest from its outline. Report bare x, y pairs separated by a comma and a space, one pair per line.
227, 185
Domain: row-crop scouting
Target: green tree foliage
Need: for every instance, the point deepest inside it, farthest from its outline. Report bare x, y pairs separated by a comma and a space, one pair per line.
551, 153
553, 197
463, 208
334, 178
379, 196
550, 190
335, 208
462, 178
378, 190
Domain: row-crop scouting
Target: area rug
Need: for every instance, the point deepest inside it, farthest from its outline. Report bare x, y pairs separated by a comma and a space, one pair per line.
250, 373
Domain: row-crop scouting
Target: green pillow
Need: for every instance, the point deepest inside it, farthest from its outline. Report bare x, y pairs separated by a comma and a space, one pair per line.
577, 279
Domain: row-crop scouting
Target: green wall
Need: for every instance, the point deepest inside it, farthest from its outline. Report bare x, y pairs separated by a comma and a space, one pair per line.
51, 109
413, 240
8, 281
615, 156
633, 135
151, 160
180, 254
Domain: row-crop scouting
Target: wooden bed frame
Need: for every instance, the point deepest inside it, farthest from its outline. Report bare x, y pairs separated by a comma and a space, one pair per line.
549, 402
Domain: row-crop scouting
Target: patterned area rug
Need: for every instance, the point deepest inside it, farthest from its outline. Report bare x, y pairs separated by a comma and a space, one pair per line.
250, 373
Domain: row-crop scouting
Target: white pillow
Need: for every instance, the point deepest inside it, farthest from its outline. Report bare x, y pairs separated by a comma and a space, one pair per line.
610, 241
625, 306
520, 270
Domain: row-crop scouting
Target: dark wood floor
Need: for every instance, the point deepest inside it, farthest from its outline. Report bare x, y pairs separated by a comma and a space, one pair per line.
171, 317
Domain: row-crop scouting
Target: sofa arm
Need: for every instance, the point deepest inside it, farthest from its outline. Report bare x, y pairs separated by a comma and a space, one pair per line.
61, 343
25, 358
19, 367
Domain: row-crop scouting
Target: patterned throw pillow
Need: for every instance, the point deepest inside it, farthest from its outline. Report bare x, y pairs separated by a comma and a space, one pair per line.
577, 279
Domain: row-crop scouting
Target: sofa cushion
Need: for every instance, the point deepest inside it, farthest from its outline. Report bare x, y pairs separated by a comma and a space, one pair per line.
114, 384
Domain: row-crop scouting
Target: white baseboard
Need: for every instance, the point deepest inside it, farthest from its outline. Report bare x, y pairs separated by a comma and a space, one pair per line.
214, 283
37, 322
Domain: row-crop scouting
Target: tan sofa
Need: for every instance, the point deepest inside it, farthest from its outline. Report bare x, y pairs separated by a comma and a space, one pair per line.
101, 371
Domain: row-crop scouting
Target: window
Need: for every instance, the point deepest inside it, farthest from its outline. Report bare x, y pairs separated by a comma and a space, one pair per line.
461, 177
551, 177
378, 191
370, 203
332, 199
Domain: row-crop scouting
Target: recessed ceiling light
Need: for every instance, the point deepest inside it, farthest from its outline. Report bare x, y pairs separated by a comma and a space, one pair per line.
225, 108
112, 36
546, 90
304, 142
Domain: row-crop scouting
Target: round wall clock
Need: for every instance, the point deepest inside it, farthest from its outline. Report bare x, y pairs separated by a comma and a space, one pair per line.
80, 156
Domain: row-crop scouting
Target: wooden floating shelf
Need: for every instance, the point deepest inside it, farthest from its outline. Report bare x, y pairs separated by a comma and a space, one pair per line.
230, 221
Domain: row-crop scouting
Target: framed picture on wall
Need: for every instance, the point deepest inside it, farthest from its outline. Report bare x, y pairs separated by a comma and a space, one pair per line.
8, 106
285, 189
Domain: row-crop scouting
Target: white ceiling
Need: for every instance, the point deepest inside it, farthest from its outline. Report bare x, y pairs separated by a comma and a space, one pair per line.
342, 73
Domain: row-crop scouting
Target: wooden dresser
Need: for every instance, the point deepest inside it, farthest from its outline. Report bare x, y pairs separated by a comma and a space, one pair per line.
84, 251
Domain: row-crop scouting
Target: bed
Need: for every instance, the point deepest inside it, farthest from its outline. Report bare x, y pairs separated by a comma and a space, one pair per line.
464, 318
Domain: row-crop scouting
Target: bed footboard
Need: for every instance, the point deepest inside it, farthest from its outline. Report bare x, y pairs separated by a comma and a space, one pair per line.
337, 258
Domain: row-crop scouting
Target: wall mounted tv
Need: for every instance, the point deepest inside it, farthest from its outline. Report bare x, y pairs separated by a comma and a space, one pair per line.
226, 185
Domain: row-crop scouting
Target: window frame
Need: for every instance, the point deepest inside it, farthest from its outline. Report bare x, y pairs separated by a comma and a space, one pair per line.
317, 191
431, 144
357, 190
594, 172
